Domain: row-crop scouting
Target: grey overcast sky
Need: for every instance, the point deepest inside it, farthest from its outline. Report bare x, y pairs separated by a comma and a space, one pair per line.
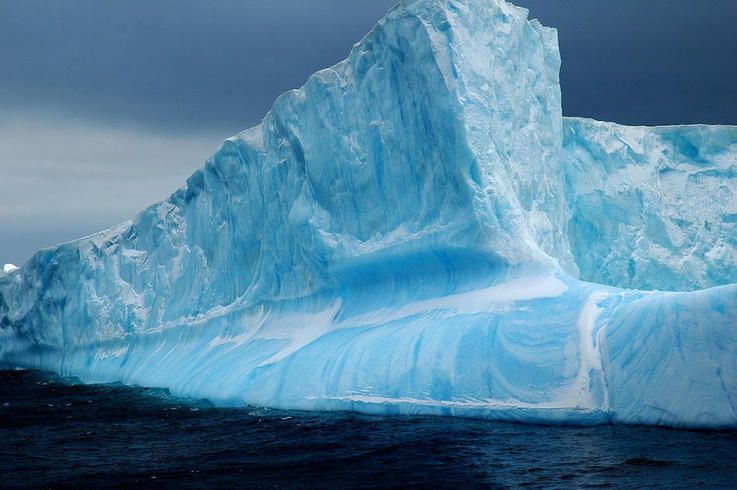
107, 106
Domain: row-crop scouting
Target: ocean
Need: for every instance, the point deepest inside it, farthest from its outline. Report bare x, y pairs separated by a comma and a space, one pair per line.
56, 434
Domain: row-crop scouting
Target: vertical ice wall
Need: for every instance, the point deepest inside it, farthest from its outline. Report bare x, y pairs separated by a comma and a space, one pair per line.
437, 137
652, 208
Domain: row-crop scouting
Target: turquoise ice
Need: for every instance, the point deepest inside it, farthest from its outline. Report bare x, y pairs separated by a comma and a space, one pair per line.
418, 230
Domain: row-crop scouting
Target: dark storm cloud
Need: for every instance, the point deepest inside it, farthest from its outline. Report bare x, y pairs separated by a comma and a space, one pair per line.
107, 106
646, 61
174, 64
186, 64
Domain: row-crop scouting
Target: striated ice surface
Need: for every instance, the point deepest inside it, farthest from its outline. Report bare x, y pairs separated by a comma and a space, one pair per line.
405, 234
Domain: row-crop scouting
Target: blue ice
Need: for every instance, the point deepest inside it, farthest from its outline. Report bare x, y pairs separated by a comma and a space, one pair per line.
418, 230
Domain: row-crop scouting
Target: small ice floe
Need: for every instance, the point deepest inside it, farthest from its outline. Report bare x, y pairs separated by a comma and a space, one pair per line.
8, 268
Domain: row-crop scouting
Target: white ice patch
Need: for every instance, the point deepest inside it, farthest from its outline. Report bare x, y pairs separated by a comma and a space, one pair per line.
102, 355
465, 403
8, 268
591, 367
301, 330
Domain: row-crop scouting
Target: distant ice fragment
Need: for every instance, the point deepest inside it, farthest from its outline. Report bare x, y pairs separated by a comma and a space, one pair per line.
8, 268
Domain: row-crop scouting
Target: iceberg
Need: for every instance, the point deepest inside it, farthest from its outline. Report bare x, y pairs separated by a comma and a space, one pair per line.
418, 230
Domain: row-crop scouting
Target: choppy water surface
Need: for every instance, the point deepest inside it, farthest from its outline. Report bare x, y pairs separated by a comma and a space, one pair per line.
54, 433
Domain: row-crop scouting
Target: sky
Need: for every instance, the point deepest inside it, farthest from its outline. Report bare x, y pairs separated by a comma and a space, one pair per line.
107, 106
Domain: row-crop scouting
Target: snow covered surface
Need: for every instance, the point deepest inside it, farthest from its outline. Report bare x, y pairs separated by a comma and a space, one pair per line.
404, 234
8, 268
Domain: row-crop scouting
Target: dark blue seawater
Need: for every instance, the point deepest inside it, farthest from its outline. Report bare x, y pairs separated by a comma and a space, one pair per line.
57, 434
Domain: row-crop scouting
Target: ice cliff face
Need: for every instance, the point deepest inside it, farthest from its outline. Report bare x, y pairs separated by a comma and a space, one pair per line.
419, 144
652, 208
402, 235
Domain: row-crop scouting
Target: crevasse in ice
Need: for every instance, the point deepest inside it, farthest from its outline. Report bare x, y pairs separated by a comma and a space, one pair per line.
411, 232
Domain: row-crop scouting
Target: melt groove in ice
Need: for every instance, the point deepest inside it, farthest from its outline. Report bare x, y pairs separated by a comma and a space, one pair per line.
418, 230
